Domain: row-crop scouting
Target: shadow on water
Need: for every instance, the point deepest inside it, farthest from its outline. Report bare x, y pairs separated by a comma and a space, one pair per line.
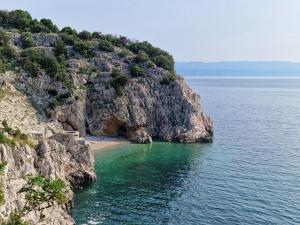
136, 183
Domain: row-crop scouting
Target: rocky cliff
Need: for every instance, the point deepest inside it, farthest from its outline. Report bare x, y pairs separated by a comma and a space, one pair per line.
53, 80
61, 156
101, 95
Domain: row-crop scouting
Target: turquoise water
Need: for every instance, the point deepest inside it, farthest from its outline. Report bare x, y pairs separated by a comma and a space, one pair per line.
250, 174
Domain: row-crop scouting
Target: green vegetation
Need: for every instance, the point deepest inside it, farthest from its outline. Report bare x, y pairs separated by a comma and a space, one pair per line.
124, 53
27, 40
84, 48
60, 100
68, 39
8, 52
61, 51
11, 137
36, 61
22, 21
105, 45
2, 196
85, 35
141, 57
137, 71
69, 31
33, 60
118, 81
4, 39
167, 80
40, 193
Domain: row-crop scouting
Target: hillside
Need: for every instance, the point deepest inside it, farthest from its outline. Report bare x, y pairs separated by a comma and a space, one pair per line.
100, 84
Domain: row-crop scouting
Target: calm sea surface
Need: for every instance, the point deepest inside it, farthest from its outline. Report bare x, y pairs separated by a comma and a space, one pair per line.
249, 175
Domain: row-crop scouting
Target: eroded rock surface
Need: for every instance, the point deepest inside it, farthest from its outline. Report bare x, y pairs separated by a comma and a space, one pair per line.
63, 157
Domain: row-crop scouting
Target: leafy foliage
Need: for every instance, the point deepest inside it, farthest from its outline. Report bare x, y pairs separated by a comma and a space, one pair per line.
40, 193
3, 38
119, 81
137, 71
36, 59
69, 31
15, 219
106, 45
141, 57
60, 50
27, 40
167, 80
84, 48
85, 35
60, 100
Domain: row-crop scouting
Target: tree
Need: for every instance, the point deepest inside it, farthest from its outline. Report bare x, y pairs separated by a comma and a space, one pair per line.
85, 35
40, 193
49, 24
20, 19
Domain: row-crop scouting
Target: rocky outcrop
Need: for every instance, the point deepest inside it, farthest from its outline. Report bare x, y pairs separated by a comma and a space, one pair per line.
147, 108
62, 156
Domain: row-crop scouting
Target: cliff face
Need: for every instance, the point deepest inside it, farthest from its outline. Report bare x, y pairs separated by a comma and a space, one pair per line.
59, 157
146, 108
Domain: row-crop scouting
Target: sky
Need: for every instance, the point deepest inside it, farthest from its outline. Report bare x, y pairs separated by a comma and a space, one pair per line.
191, 30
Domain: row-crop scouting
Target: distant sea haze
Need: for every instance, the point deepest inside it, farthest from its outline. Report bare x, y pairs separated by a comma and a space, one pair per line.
244, 68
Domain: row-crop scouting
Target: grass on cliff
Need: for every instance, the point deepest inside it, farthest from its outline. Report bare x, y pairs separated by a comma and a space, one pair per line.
11, 137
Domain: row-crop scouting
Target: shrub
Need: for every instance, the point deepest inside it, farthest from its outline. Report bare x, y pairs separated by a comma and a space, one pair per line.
4, 18
141, 57
2, 67
137, 71
164, 62
5, 140
8, 52
49, 24
40, 193
85, 35
167, 80
105, 45
118, 82
32, 68
20, 19
69, 31
84, 48
3, 38
96, 35
60, 49
123, 53
68, 39
60, 100
35, 58
36, 27
27, 40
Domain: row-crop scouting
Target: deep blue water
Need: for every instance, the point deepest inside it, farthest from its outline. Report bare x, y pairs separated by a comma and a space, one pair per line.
250, 174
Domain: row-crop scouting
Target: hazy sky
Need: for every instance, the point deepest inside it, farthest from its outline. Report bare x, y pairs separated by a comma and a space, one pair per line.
206, 30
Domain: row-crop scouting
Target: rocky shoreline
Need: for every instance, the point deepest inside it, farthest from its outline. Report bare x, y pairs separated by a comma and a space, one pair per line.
54, 80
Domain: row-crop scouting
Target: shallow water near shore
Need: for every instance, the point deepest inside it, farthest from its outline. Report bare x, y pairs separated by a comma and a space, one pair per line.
250, 174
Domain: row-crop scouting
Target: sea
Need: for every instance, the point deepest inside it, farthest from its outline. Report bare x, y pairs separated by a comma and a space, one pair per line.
250, 174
